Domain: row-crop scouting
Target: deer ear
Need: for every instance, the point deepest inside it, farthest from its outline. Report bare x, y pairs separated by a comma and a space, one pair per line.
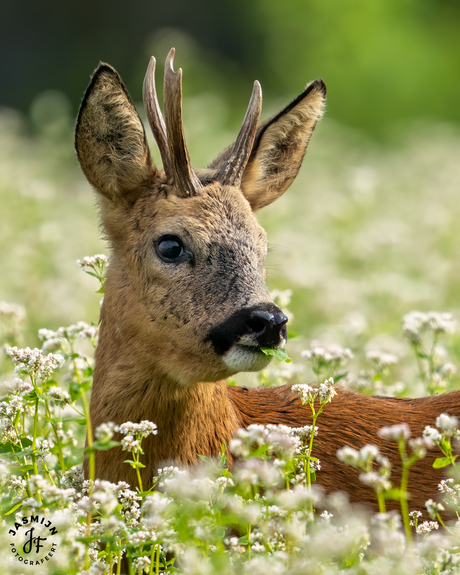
280, 146
110, 139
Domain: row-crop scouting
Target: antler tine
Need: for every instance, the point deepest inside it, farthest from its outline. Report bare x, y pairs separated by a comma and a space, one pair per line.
155, 118
231, 171
185, 178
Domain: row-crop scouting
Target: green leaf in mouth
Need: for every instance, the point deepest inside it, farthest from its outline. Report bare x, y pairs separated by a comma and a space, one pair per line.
278, 353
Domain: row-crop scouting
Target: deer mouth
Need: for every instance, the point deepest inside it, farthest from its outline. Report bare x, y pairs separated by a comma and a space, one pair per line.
244, 357
239, 339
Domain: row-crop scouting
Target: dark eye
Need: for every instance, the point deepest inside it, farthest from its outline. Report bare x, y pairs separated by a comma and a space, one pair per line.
170, 248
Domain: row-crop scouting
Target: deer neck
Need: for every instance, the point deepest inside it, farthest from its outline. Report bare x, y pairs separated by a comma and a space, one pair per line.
128, 386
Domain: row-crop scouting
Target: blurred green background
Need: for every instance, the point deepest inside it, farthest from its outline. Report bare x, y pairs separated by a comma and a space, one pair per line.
368, 231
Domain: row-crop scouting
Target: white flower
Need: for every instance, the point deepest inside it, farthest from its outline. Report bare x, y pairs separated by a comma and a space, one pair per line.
105, 431
129, 443
434, 508
59, 395
282, 298
426, 527
448, 425
375, 480
442, 322
13, 311
306, 393
395, 432
142, 564
348, 455
415, 516
413, 324
368, 452
327, 391
419, 445
448, 370
142, 429
381, 360
432, 435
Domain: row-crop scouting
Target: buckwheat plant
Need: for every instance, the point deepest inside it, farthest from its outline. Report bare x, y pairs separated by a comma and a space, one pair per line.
327, 361
424, 330
134, 433
366, 459
38, 367
308, 396
400, 433
12, 318
96, 267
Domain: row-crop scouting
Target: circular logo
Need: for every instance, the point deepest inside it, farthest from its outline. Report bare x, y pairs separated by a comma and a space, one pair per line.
33, 540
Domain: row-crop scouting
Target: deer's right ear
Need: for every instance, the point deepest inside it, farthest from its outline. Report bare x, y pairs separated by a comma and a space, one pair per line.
280, 146
110, 139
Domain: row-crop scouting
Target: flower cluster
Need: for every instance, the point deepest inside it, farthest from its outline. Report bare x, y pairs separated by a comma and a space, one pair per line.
327, 360
415, 323
99, 260
326, 391
382, 361
35, 362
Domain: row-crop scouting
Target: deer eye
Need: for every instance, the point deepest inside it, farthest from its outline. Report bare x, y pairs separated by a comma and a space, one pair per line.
170, 248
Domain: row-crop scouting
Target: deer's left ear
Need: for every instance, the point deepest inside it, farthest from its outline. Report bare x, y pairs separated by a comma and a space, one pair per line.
280, 146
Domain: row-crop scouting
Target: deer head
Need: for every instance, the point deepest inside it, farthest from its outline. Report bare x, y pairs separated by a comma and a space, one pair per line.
185, 290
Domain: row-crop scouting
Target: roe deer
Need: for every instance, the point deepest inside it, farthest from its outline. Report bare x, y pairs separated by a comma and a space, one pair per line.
186, 304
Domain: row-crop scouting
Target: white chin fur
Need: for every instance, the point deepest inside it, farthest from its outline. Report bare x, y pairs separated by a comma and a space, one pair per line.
245, 358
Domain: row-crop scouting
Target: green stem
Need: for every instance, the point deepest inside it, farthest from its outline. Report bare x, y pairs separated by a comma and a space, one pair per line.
406, 464
138, 473
381, 500
404, 504
249, 541
415, 347
58, 439
439, 518
92, 462
430, 358
109, 557
119, 562
152, 560
157, 561
34, 439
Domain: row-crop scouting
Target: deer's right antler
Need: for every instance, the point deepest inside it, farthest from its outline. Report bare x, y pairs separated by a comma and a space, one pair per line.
187, 182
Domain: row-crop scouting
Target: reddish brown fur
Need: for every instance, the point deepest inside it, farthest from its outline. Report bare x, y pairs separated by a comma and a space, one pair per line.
155, 360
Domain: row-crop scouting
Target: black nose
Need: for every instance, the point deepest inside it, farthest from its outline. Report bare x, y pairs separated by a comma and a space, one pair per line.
267, 327
262, 325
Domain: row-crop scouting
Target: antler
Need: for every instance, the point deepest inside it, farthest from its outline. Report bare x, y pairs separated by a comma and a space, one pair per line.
186, 180
155, 118
231, 171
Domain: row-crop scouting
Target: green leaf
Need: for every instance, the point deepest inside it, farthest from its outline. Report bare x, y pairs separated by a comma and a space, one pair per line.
13, 509
440, 462
278, 353
105, 446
